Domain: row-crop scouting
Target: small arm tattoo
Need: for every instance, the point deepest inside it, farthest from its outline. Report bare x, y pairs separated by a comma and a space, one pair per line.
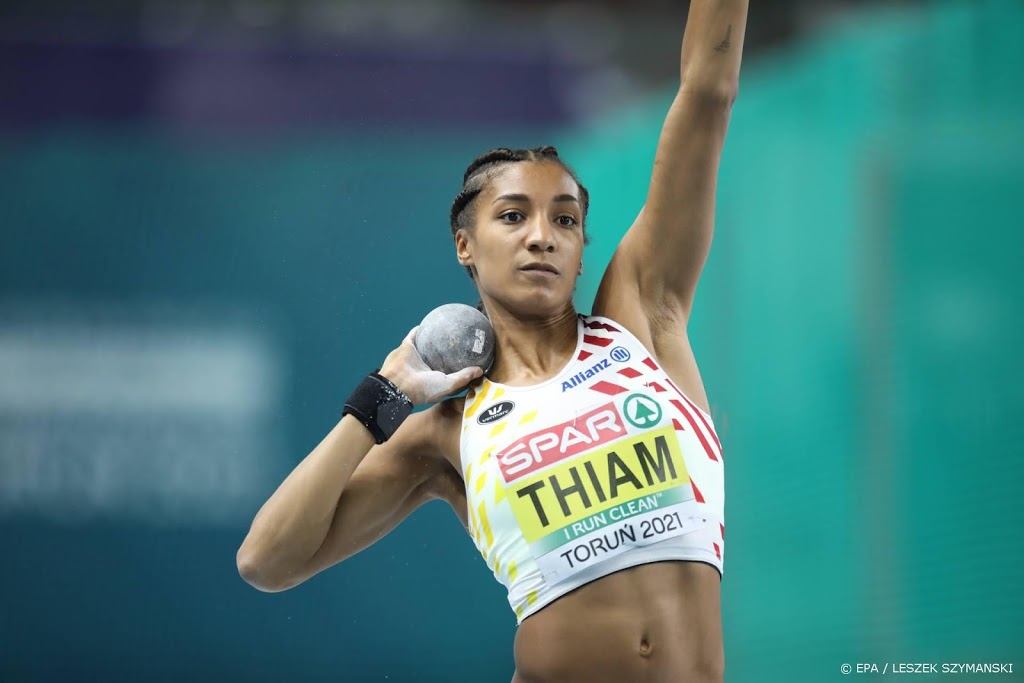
724, 46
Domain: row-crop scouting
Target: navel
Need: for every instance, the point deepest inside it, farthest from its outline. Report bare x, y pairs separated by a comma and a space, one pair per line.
645, 646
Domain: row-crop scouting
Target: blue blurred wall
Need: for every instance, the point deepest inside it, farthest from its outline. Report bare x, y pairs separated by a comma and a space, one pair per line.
310, 235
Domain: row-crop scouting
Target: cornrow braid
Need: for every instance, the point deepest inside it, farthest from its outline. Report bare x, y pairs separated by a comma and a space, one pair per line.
483, 169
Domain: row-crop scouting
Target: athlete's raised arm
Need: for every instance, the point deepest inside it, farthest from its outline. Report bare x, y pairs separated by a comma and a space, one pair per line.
348, 492
662, 255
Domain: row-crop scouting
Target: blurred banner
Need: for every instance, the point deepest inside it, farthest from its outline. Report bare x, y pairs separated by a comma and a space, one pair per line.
205, 249
144, 415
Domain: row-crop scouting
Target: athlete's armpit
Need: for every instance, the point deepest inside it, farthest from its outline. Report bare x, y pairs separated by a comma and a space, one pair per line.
448, 486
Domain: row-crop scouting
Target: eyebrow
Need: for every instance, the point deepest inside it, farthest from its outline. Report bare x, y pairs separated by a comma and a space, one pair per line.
524, 198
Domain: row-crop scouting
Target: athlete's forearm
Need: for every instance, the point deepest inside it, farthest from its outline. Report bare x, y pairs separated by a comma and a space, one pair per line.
292, 525
713, 45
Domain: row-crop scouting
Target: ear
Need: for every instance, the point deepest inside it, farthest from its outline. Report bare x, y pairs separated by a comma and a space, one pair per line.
580, 271
462, 250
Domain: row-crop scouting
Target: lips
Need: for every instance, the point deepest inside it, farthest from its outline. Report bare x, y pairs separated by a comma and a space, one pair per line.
545, 267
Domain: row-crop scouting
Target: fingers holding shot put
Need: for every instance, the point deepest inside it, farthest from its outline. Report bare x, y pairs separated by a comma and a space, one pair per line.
423, 384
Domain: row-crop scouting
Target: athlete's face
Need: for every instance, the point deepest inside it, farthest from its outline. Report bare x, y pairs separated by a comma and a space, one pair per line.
526, 246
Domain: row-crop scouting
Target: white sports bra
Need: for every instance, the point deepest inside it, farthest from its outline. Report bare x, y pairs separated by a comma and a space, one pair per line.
605, 466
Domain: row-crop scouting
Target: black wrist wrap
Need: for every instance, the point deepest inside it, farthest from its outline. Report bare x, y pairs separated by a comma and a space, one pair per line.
379, 405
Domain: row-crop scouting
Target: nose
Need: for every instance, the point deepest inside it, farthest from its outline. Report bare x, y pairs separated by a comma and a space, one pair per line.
541, 236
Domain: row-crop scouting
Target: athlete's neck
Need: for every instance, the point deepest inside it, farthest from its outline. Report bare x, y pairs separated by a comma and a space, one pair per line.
533, 351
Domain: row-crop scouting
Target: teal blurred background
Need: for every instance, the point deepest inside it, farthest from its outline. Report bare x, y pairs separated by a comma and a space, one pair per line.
194, 274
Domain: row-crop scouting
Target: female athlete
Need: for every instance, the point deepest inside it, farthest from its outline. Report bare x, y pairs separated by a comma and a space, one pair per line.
585, 465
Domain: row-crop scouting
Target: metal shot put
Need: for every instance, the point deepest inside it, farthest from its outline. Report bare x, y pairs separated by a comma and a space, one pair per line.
454, 337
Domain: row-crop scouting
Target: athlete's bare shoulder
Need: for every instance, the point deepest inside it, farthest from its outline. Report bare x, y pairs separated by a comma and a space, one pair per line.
447, 427
453, 407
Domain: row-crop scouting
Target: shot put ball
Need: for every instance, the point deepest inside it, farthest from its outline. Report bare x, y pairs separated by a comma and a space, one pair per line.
455, 336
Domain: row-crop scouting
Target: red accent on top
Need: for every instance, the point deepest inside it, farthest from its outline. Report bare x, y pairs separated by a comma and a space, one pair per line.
649, 362
722, 527
699, 414
657, 387
608, 388
696, 492
678, 427
595, 325
718, 551
597, 341
630, 373
584, 354
696, 429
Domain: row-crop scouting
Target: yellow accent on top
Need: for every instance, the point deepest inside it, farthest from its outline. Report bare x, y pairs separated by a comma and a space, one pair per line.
529, 417
473, 526
486, 524
498, 429
475, 406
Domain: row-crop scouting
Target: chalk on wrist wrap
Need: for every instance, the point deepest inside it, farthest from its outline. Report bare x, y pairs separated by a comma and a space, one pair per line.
379, 405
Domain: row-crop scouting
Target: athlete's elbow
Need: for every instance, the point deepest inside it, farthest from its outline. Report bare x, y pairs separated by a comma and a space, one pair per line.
254, 571
719, 93
249, 570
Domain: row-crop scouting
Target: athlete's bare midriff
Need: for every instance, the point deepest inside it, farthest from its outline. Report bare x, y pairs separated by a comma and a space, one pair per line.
658, 622
655, 623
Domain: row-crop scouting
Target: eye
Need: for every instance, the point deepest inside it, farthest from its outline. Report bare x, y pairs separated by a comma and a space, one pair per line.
567, 221
512, 216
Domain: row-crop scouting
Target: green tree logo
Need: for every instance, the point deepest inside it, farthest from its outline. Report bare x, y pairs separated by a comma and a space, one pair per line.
642, 411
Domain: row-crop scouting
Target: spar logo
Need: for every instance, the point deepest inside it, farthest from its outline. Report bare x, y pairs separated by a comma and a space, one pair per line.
496, 412
553, 444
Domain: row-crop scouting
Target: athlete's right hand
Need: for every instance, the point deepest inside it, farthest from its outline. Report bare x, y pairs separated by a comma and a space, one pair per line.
405, 367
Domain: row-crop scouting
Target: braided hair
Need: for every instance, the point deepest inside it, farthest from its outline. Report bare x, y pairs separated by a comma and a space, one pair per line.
483, 169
